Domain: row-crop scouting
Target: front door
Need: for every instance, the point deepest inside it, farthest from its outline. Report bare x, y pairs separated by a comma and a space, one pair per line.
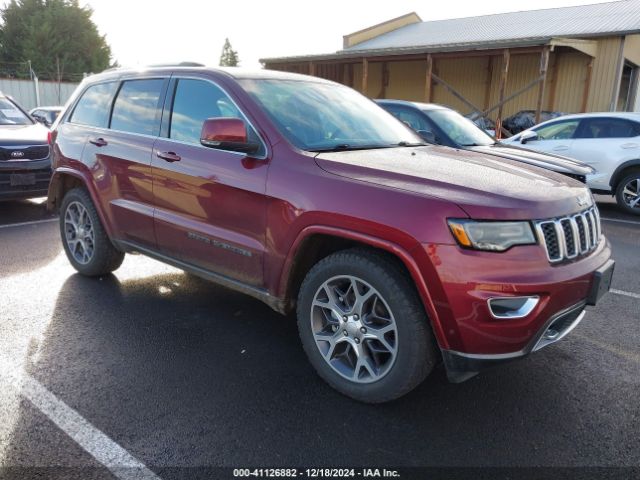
556, 137
210, 204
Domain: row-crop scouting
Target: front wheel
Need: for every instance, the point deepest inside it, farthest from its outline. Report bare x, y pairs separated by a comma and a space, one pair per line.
363, 326
85, 241
628, 193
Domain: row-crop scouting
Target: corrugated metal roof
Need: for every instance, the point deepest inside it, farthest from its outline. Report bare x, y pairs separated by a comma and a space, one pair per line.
453, 47
580, 21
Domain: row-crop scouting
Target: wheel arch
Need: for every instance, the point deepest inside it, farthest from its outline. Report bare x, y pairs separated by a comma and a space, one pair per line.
620, 172
316, 242
65, 179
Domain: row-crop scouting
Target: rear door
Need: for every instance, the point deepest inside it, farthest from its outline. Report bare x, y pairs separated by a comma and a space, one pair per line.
119, 158
604, 143
210, 203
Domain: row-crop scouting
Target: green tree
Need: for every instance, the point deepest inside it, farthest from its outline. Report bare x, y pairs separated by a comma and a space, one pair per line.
57, 36
229, 57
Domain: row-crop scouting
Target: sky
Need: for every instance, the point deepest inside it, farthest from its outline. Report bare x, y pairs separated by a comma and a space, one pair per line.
147, 32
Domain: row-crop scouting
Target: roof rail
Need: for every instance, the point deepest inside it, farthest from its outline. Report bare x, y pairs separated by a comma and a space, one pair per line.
181, 64
158, 65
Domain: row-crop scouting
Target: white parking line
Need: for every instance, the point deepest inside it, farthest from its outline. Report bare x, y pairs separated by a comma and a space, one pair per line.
626, 294
115, 458
619, 220
35, 222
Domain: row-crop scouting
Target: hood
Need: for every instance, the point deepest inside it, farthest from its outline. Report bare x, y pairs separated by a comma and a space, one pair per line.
486, 187
544, 160
14, 135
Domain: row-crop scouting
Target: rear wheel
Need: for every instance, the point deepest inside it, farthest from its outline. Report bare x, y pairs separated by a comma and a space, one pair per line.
85, 241
363, 326
628, 193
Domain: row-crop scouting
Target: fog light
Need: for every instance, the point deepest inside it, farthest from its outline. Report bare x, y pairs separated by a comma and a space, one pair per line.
512, 307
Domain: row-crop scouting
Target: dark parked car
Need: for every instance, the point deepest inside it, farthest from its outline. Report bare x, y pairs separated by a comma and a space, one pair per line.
444, 126
306, 195
46, 115
25, 165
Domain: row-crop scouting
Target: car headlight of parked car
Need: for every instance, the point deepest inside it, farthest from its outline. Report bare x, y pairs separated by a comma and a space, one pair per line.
492, 236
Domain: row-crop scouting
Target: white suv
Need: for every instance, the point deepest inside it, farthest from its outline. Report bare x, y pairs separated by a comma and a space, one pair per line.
609, 142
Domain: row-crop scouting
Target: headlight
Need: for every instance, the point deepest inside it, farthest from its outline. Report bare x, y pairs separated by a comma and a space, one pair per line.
494, 236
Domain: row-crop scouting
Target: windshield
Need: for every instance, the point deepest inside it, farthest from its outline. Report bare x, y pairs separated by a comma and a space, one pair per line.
461, 130
12, 115
318, 116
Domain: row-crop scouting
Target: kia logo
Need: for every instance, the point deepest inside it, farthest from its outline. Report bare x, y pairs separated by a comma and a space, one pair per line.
17, 154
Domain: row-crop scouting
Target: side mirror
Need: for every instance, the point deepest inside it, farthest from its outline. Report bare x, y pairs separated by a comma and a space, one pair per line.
528, 136
428, 136
227, 134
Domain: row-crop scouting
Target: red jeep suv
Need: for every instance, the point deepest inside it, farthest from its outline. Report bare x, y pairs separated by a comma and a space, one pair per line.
308, 196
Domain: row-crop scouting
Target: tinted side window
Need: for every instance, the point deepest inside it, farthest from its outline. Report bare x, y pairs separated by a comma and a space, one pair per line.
558, 131
609, 128
411, 118
137, 106
194, 102
93, 107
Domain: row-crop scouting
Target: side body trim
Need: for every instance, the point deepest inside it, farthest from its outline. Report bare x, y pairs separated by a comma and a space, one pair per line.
258, 293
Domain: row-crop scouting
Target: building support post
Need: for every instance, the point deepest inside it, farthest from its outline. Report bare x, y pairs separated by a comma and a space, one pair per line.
506, 57
385, 80
487, 88
365, 75
544, 66
428, 89
312, 68
587, 87
553, 82
619, 68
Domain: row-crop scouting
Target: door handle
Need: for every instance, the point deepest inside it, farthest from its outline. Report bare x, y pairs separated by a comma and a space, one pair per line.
629, 145
560, 148
169, 156
98, 142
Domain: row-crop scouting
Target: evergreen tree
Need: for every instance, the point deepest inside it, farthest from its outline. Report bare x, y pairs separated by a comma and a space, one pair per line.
58, 36
229, 57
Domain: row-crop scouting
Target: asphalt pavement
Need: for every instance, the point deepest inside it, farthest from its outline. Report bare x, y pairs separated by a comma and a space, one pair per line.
152, 373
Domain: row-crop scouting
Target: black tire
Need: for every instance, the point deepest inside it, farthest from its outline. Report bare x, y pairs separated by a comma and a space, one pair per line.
417, 352
105, 258
630, 177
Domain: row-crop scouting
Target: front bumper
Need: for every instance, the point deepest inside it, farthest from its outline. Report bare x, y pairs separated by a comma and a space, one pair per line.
462, 366
41, 171
461, 283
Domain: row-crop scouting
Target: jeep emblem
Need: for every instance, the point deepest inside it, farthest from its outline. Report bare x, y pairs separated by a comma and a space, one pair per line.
17, 154
582, 201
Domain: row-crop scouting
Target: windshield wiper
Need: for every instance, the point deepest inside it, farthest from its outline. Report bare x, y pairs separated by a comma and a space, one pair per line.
410, 144
343, 147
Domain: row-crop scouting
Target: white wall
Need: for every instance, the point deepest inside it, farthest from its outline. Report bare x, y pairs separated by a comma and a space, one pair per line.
23, 92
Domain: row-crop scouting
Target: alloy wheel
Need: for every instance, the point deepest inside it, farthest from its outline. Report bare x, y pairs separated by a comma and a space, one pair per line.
631, 193
354, 329
79, 233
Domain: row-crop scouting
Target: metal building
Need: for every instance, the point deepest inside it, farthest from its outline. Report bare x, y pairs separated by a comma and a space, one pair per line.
571, 59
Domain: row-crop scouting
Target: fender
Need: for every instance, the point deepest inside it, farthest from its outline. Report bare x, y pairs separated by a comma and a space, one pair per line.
56, 184
615, 178
376, 242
